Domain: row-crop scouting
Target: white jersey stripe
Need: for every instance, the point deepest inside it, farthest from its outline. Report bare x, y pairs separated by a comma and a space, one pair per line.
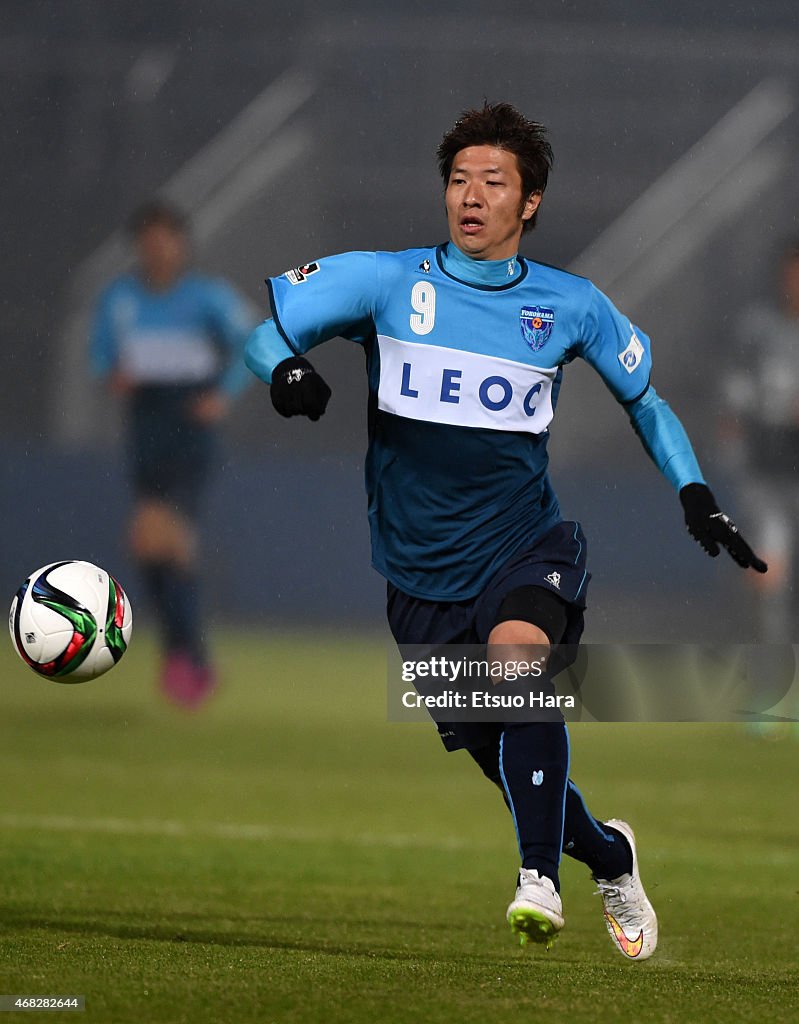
464, 389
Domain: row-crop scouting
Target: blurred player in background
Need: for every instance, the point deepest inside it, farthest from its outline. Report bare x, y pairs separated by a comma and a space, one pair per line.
168, 342
761, 429
465, 346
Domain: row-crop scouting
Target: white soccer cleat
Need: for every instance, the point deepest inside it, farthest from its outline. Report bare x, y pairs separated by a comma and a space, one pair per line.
629, 916
536, 914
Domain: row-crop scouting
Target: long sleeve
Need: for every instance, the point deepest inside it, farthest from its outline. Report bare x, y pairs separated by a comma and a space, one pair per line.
265, 348
664, 439
103, 346
311, 304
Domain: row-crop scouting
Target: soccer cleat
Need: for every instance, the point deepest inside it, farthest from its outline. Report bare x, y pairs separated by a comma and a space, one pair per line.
186, 683
536, 914
629, 916
177, 679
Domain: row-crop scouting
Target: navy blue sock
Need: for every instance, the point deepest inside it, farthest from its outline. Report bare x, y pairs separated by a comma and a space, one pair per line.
155, 574
534, 767
182, 597
606, 851
174, 592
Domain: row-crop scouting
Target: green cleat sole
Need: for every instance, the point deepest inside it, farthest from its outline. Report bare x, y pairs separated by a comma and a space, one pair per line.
532, 926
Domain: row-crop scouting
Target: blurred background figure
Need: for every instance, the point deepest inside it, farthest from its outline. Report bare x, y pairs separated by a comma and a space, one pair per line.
761, 431
167, 341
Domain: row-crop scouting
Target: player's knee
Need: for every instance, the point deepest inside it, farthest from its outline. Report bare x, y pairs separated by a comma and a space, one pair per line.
518, 633
143, 534
516, 642
159, 533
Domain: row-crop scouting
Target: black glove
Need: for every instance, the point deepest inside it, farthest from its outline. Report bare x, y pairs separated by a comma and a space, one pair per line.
708, 525
298, 390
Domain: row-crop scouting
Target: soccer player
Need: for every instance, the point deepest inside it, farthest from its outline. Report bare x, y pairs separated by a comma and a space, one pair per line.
762, 422
169, 342
465, 346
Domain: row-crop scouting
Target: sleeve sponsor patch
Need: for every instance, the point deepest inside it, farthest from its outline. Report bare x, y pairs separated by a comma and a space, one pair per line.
632, 355
300, 274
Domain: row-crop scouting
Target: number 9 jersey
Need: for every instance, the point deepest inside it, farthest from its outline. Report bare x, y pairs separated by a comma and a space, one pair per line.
464, 378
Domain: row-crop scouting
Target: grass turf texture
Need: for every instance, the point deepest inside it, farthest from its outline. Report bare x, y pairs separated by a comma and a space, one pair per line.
372, 881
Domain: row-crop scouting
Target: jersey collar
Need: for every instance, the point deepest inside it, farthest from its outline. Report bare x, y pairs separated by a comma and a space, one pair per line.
486, 275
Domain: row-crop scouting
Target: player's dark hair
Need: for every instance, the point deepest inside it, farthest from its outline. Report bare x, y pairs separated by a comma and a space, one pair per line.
503, 126
157, 211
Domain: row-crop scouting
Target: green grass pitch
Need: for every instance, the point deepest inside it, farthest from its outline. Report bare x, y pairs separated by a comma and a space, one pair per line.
287, 855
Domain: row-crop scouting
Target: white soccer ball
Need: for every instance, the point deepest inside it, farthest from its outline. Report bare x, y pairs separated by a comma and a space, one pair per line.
70, 621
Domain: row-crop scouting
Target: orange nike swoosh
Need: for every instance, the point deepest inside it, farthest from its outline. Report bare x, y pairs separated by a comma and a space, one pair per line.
630, 947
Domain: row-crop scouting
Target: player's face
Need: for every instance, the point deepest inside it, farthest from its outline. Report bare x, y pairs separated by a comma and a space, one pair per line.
162, 253
485, 206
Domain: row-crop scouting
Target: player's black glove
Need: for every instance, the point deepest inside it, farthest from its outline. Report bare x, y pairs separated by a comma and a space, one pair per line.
708, 525
298, 390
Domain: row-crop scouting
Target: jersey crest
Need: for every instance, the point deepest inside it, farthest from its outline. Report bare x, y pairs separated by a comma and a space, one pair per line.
536, 324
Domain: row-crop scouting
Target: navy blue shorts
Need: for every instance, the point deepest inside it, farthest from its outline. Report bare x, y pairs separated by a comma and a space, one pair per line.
556, 563
170, 452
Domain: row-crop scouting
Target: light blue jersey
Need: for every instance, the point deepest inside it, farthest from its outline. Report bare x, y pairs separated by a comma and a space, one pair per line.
192, 333
465, 361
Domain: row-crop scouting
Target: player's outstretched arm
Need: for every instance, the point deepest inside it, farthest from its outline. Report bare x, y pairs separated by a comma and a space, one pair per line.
620, 353
711, 528
667, 444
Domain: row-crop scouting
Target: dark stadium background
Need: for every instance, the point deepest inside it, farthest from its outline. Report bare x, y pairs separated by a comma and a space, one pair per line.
297, 130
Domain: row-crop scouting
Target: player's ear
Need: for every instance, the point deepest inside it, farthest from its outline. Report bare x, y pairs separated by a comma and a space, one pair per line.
531, 204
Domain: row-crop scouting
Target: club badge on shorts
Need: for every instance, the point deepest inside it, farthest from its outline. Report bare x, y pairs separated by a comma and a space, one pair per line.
536, 323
